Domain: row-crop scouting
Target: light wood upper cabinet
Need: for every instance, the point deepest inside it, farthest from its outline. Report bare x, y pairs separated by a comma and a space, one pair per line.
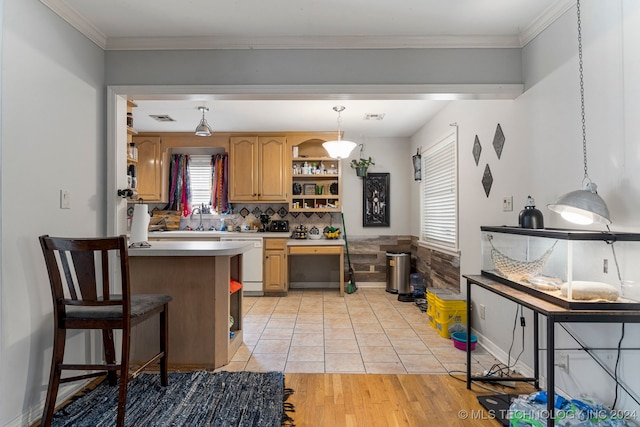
257, 168
149, 168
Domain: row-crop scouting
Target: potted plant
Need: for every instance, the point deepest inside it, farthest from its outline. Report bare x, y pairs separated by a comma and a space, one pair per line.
361, 165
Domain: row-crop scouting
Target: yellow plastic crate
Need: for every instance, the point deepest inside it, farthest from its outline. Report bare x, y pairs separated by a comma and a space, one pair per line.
433, 296
446, 327
431, 319
452, 325
450, 310
449, 313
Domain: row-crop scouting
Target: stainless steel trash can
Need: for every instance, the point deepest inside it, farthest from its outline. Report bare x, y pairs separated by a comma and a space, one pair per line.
398, 270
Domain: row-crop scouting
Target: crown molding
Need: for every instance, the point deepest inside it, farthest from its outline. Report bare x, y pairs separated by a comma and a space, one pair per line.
309, 42
545, 19
77, 21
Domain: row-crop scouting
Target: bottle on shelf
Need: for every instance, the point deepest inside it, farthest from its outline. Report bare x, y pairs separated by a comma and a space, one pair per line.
133, 151
133, 183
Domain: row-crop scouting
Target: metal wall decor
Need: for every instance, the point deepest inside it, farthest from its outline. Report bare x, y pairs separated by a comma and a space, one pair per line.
375, 200
477, 149
498, 140
417, 166
487, 180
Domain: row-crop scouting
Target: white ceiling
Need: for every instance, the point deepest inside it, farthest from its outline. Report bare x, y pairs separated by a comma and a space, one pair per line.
326, 24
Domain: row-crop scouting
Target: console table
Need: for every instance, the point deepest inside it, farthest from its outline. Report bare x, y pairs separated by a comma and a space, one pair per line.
554, 314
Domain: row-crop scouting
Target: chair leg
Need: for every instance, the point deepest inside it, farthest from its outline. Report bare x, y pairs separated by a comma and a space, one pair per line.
124, 376
109, 354
59, 340
164, 333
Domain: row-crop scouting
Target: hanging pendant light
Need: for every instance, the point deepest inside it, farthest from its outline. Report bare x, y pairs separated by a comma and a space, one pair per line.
582, 206
203, 128
339, 149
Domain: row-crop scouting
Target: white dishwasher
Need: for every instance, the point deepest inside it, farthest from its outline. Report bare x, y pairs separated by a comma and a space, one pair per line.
251, 264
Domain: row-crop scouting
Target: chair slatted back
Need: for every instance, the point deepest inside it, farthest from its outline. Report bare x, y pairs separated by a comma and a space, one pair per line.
73, 265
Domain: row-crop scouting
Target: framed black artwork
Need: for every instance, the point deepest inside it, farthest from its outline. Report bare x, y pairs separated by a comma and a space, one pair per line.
375, 200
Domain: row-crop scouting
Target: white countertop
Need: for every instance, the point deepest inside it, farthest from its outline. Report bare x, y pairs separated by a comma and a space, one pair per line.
191, 248
319, 242
207, 234
196, 236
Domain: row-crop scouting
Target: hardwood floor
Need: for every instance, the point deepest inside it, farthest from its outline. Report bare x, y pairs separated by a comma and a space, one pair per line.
387, 400
384, 400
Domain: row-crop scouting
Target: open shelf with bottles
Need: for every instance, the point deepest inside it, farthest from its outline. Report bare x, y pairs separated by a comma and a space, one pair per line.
315, 184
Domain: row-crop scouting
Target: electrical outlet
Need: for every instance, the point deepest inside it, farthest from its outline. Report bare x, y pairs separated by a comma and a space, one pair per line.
563, 362
65, 199
372, 268
481, 311
605, 266
507, 204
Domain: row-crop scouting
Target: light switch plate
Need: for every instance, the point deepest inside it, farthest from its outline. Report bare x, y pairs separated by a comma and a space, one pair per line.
507, 204
65, 199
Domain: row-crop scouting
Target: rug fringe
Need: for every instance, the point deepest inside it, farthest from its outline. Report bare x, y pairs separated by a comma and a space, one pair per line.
287, 393
287, 420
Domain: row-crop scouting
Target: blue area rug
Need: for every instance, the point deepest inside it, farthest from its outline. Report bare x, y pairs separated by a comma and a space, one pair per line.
191, 399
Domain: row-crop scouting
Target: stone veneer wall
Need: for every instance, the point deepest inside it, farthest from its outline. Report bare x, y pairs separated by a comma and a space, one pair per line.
369, 260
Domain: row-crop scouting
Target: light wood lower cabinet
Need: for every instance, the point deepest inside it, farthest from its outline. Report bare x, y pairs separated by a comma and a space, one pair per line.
275, 265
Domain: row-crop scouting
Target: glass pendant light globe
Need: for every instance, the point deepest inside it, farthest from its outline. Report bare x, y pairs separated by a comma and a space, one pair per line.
339, 148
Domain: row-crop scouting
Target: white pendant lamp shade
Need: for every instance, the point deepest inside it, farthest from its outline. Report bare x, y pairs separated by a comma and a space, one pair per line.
582, 207
203, 128
339, 149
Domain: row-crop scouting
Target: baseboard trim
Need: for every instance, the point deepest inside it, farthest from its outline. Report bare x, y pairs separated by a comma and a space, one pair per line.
35, 414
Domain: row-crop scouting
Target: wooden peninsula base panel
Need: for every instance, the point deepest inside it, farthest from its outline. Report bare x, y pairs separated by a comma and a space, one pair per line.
197, 276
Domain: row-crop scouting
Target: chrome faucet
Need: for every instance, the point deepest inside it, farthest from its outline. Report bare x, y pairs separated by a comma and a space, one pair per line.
200, 227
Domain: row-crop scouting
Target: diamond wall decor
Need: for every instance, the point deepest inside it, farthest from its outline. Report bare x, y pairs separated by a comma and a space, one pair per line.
498, 140
477, 149
487, 180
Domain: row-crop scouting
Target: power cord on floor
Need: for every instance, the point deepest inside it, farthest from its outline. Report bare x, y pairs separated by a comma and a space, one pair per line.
477, 383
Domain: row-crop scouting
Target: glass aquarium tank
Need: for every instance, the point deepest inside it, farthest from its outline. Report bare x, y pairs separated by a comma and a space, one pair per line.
571, 268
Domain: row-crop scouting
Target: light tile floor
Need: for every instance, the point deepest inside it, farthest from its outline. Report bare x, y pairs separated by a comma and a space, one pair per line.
369, 331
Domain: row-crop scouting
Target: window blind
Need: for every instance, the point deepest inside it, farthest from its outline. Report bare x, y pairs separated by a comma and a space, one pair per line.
440, 194
200, 179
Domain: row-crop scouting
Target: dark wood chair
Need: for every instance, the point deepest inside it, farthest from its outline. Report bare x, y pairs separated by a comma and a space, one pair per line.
79, 272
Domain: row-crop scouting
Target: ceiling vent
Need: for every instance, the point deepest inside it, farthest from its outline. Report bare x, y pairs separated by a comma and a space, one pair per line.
374, 116
162, 117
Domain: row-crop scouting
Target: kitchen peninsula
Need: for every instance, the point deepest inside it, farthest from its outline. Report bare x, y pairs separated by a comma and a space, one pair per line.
197, 275
282, 255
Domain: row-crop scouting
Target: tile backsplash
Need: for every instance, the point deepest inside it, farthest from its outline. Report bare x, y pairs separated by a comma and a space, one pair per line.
249, 214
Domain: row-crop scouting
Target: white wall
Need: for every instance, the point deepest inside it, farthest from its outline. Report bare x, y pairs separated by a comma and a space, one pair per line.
391, 155
52, 139
543, 157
